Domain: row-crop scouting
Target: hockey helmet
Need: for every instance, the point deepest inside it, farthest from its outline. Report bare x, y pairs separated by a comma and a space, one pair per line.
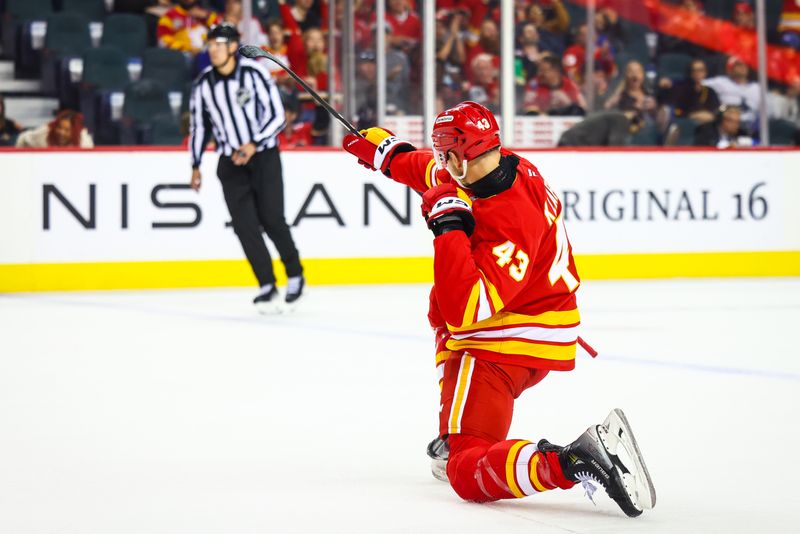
468, 129
224, 32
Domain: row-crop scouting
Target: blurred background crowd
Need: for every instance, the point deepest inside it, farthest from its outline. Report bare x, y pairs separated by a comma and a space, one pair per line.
674, 73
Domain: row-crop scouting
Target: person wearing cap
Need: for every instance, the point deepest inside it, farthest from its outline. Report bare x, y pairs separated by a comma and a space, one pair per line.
237, 101
736, 89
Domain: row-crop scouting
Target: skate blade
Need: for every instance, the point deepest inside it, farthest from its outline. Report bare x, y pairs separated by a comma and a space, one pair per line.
619, 432
439, 470
269, 308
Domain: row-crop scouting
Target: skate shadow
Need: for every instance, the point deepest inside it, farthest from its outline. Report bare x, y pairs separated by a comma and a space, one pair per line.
553, 511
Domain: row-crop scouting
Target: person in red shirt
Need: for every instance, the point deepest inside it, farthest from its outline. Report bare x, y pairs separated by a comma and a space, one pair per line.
184, 27
552, 93
504, 313
404, 26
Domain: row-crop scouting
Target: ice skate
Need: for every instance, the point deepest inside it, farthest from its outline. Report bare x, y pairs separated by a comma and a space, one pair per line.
294, 290
267, 302
439, 451
596, 456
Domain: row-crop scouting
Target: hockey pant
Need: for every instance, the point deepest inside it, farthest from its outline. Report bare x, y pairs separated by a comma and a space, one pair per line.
476, 407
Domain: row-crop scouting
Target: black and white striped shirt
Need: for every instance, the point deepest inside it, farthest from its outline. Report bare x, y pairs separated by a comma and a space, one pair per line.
243, 107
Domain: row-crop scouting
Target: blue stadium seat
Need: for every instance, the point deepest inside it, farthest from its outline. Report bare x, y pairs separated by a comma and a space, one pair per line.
126, 32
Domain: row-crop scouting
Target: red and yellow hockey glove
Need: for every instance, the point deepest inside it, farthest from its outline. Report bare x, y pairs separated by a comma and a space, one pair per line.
445, 211
376, 149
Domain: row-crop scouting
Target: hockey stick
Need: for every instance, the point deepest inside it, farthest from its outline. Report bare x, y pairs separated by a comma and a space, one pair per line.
254, 52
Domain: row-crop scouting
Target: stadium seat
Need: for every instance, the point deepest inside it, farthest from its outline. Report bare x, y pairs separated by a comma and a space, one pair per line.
94, 10
16, 34
167, 66
67, 37
163, 130
105, 69
782, 132
686, 129
144, 100
126, 32
647, 136
673, 66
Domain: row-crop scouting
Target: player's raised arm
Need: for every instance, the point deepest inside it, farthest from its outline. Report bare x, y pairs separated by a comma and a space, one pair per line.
397, 159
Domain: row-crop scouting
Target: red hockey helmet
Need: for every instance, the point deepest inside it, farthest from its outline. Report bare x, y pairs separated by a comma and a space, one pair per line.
468, 129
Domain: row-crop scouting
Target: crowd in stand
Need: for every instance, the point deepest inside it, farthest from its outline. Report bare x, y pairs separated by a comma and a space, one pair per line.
629, 89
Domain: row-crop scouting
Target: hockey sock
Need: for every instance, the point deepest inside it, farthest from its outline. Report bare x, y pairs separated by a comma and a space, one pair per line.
266, 288
482, 471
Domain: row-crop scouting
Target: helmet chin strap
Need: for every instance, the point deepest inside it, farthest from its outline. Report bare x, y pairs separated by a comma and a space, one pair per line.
460, 179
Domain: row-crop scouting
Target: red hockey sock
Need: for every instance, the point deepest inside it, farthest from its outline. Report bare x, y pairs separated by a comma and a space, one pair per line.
482, 471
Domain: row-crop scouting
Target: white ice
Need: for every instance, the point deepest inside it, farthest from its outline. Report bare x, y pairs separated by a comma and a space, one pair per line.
185, 412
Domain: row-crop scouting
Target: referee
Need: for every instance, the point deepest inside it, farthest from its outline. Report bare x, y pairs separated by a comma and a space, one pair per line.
236, 100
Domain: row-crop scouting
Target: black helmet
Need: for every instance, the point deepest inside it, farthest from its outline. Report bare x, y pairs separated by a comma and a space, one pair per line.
225, 31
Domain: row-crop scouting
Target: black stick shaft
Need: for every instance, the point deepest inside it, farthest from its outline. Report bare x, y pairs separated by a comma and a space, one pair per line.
254, 52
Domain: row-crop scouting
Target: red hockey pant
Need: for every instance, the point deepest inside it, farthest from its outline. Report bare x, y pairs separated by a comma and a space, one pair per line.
476, 408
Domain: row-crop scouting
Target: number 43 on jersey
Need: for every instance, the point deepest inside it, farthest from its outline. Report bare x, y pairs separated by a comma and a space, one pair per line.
508, 253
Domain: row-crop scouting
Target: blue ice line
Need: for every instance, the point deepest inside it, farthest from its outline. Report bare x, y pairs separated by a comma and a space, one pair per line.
759, 373
736, 371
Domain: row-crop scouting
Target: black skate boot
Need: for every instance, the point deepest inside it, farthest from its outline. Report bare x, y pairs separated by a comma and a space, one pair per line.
595, 457
266, 302
439, 451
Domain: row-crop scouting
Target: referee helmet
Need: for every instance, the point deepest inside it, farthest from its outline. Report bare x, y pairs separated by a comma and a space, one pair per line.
224, 32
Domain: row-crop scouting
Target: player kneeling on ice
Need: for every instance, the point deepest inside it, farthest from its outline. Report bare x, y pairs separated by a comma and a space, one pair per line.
504, 311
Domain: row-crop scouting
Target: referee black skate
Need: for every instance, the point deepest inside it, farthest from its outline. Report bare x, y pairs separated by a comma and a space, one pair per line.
236, 101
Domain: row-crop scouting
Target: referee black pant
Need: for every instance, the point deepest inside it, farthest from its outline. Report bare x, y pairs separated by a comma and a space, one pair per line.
254, 195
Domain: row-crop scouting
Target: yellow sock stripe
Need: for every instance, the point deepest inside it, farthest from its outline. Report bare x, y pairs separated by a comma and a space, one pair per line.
511, 470
534, 475
459, 398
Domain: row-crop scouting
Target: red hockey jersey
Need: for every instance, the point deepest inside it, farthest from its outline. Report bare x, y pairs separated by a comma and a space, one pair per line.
507, 293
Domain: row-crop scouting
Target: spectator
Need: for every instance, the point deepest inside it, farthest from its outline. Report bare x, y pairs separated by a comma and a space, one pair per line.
529, 52
743, 16
305, 15
185, 26
63, 131
789, 25
276, 45
233, 14
488, 43
294, 134
551, 29
786, 105
552, 93
724, 132
404, 29
735, 89
450, 56
575, 56
8, 128
604, 128
691, 98
364, 24
450, 47
631, 93
485, 89
366, 90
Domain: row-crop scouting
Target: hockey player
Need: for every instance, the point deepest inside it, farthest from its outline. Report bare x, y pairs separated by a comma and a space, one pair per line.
504, 311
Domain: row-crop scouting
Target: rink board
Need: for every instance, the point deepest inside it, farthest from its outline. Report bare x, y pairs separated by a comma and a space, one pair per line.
127, 219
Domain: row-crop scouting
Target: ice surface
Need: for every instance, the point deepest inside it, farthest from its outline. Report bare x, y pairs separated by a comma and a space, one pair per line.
185, 412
